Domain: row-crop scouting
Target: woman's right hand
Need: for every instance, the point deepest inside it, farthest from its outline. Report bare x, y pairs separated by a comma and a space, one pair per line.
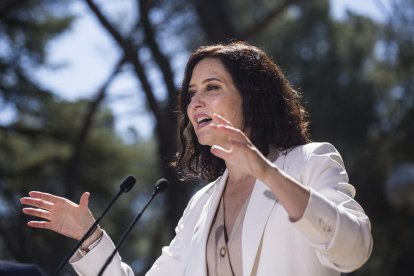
60, 214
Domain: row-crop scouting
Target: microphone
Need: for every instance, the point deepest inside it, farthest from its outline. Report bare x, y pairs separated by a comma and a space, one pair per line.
159, 187
125, 186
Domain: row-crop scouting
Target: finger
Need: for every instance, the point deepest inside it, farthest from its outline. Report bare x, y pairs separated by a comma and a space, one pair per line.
37, 213
35, 202
39, 224
231, 132
221, 120
45, 196
238, 144
84, 200
220, 152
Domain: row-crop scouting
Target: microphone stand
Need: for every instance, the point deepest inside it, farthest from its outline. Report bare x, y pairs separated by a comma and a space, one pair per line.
125, 186
159, 187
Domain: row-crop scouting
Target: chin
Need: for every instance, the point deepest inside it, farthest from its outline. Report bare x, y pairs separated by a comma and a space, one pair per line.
205, 140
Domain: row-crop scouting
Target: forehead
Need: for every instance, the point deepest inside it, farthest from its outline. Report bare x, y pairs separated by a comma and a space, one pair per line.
209, 67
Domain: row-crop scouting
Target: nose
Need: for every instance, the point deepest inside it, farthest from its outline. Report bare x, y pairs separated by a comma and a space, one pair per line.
196, 101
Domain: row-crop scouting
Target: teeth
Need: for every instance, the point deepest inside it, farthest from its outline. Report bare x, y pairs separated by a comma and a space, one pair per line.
203, 119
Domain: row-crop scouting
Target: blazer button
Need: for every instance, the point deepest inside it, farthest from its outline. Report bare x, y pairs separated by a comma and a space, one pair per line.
325, 227
223, 251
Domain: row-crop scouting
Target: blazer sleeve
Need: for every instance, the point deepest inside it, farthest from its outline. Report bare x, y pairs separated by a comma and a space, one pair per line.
169, 263
91, 263
333, 222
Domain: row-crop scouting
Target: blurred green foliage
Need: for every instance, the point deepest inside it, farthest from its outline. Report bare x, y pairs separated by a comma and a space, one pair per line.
356, 77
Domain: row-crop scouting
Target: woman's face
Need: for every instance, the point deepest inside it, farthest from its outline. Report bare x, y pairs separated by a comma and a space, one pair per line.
212, 91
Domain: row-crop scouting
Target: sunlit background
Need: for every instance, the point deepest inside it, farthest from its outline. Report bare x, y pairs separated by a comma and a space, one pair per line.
76, 114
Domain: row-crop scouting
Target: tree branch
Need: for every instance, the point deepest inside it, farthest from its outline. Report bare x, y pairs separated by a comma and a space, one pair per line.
159, 57
252, 30
79, 143
7, 5
30, 132
166, 123
215, 20
130, 55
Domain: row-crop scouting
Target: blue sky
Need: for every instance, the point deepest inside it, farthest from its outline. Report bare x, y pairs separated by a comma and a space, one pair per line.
87, 48
85, 56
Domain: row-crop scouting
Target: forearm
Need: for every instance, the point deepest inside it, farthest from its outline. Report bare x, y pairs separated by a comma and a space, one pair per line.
338, 229
291, 194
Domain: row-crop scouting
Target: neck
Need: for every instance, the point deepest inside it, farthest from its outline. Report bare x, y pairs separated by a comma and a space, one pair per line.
237, 175
239, 185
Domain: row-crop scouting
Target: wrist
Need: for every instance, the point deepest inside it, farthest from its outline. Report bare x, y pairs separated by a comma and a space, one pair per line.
269, 171
96, 235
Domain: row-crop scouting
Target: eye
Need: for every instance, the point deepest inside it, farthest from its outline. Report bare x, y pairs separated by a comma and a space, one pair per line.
211, 87
191, 93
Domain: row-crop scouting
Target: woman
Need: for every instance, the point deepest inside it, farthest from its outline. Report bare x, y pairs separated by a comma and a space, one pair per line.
278, 205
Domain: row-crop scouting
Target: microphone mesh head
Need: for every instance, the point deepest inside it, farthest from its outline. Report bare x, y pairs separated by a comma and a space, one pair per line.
161, 185
128, 183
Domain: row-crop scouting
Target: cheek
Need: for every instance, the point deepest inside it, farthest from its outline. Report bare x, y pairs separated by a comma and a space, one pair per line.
188, 112
238, 121
237, 114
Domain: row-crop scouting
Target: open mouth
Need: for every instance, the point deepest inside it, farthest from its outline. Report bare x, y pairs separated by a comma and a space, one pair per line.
204, 120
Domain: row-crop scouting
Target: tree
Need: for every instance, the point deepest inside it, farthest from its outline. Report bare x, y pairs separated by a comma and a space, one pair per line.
53, 145
355, 76
391, 142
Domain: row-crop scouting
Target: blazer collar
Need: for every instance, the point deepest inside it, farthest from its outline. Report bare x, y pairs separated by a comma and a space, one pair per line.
202, 229
262, 201
258, 211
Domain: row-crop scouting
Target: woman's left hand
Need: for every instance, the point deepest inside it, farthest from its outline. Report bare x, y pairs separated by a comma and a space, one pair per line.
292, 195
242, 153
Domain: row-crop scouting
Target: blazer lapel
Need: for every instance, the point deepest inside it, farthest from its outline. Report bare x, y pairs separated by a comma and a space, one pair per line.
197, 264
258, 211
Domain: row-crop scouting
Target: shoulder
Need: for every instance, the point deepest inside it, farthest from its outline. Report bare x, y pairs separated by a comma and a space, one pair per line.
318, 165
307, 150
304, 153
312, 158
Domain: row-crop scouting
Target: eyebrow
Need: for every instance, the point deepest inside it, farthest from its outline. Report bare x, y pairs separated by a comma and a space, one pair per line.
208, 80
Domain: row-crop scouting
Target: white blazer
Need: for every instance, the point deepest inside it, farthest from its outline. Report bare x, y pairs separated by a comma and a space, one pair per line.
333, 235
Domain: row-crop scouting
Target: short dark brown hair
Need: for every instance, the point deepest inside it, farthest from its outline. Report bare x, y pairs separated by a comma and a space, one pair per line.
271, 108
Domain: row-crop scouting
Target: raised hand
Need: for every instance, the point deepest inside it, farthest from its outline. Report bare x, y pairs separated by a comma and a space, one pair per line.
60, 214
239, 150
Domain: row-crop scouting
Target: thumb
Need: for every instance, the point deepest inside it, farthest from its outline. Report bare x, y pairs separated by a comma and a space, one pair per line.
84, 200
